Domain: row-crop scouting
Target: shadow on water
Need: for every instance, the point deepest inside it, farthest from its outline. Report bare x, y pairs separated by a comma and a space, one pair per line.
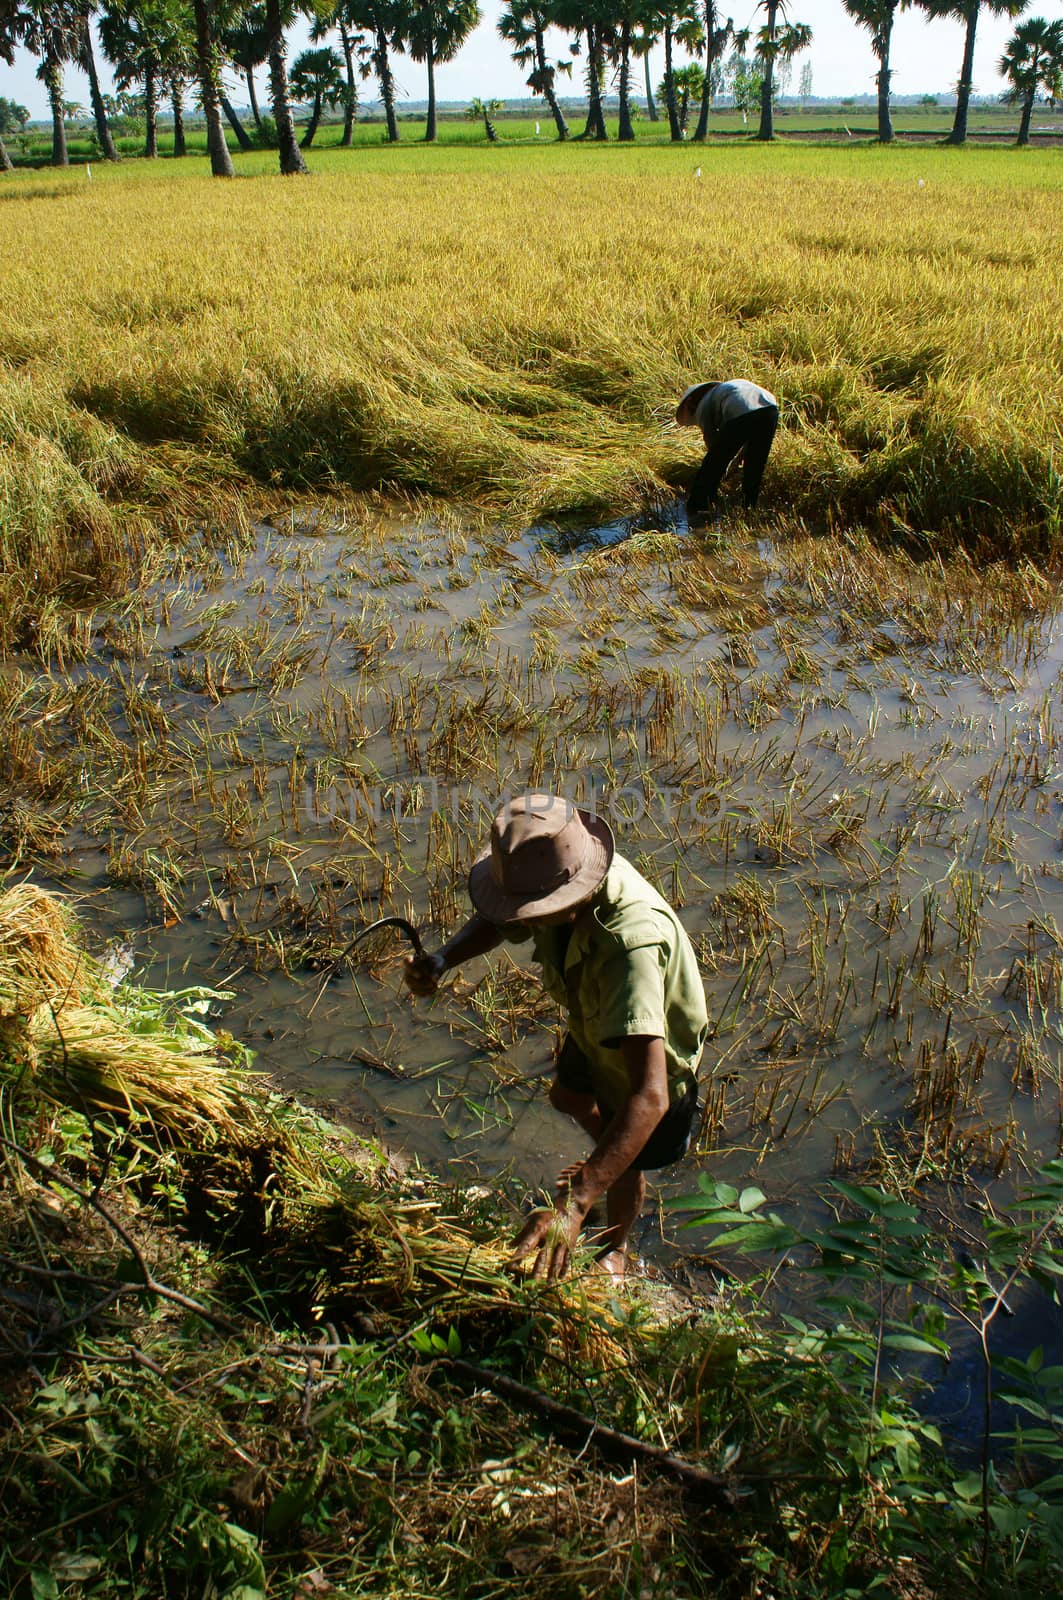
577, 537
841, 766
955, 1394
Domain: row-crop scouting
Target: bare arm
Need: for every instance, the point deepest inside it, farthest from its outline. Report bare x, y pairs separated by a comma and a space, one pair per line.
476, 938
632, 1124
552, 1233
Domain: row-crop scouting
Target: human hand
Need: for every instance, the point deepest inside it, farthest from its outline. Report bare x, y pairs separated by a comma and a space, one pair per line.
422, 973
564, 1181
551, 1235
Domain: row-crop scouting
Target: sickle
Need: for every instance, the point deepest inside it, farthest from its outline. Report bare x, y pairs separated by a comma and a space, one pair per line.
404, 927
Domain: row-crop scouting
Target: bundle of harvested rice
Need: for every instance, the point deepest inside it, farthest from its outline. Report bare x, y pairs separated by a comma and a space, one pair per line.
88, 1055
96, 1048
41, 962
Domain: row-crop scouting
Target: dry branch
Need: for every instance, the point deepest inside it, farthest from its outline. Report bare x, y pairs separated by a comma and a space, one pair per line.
620, 1446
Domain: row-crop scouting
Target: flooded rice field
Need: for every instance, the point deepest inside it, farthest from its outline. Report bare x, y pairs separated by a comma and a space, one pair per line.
842, 766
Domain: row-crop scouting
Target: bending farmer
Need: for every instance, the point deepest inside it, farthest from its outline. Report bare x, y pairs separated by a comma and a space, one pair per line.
616, 957
735, 418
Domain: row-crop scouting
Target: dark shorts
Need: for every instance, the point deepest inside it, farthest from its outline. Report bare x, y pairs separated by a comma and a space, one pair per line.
669, 1140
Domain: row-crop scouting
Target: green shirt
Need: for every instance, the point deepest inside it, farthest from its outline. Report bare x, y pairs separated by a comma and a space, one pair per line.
628, 969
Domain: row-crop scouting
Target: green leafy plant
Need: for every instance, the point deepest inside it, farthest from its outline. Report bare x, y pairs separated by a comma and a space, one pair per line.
900, 1288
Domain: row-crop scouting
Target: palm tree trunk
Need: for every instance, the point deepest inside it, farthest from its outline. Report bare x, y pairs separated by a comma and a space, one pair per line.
651, 104
387, 84
766, 130
674, 130
885, 121
243, 139
430, 125
151, 116
221, 162
311, 128
99, 115
53, 78
626, 131
252, 99
291, 161
489, 128
701, 132
963, 88
587, 126
546, 78
350, 99
177, 105
6, 163
1027, 113
595, 128
289, 154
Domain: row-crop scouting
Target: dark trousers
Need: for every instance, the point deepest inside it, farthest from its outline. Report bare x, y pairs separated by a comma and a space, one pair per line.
751, 434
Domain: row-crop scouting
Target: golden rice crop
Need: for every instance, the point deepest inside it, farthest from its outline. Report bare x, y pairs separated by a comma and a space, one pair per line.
513, 327
83, 1044
173, 1078
40, 962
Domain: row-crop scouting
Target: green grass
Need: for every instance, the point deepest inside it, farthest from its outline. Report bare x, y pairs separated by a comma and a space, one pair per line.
998, 122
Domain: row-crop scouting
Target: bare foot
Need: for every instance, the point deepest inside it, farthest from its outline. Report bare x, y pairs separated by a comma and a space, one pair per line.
613, 1262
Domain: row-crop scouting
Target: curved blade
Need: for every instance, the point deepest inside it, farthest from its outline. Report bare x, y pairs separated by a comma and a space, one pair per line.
404, 927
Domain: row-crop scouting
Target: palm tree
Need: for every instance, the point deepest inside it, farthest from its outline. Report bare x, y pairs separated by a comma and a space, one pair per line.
641, 45
717, 37
85, 56
485, 109
243, 138
878, 17
1032, 60
382, 21
246, 42
208, 68
131, 45
776, 42
967, 11
151, 41
48, 29
9, 36
323, 24
679, 25
317, 76
688, 84
435, 30
591, 24
634, 23
177, 52
278, 15
523, 25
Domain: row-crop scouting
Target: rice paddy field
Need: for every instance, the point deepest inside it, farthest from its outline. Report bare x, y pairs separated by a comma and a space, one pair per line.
331, 512
512, 327
335, 510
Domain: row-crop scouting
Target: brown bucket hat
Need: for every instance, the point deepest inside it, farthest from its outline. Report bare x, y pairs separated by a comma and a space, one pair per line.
545, 855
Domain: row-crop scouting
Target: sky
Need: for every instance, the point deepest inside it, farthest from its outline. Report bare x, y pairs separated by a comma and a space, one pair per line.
926, 59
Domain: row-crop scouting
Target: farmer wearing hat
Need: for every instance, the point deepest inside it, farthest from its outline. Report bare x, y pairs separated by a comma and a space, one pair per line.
736, 417
616, 957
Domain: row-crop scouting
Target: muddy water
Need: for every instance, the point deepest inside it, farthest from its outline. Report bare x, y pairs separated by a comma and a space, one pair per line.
844, 770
